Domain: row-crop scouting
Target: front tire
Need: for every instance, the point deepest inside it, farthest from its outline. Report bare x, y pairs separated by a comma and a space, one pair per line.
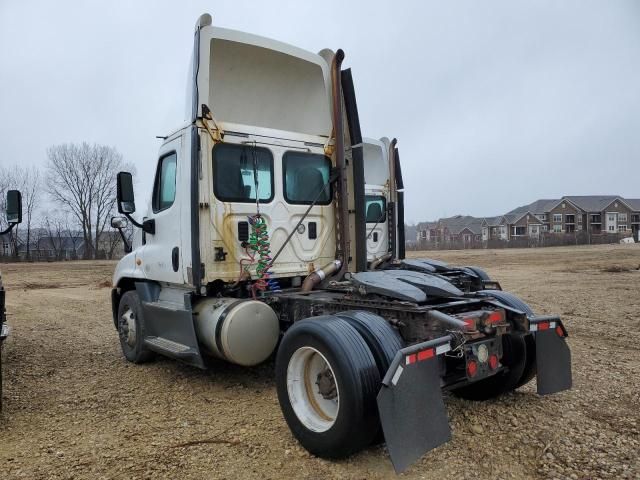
131, 328
327, 381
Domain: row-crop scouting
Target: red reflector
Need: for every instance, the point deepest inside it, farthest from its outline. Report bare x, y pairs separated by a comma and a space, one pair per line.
470, 323
472, 368
411, 359
425, 354
559, 331
495, 317
493, 362
543, 326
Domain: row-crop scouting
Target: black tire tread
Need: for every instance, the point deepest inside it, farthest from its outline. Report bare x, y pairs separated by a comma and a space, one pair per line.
347, 347
479, 272
141, 353
382, 339
513, 301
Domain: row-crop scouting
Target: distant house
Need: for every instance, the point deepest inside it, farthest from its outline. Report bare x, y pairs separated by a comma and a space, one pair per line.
66, 247
590, 214
6, 245
460, 231
61, 246
567, 220
410, 236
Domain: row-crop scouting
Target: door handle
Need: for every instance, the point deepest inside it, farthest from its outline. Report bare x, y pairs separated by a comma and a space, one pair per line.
175, 258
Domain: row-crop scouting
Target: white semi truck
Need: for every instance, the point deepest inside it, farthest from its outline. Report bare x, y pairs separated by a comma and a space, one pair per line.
384, 202
255, 245
13, 214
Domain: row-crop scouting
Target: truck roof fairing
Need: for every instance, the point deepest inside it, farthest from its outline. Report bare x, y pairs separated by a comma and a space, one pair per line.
376, 161
251, 80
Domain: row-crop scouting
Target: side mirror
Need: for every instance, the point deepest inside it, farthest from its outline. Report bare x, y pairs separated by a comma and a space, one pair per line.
118, 222
125, 197
14, 207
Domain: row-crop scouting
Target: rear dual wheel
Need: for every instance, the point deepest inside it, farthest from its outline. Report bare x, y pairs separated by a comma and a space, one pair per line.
328, 375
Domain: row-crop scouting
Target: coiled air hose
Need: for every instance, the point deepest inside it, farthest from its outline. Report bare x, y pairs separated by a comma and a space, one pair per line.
260, 245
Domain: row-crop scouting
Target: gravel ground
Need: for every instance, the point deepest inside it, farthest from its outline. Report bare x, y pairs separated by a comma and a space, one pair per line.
75, 409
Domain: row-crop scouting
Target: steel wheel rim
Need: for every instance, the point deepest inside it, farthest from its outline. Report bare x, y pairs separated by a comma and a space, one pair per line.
307, 366
128, 331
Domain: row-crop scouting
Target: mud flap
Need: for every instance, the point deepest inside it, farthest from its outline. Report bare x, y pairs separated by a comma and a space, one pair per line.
411, 407
553, 357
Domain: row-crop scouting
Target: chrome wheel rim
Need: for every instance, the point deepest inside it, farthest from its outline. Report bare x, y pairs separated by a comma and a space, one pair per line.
128, 327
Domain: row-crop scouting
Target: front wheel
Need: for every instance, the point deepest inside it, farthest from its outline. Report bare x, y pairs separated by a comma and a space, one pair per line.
327, 380
131, 328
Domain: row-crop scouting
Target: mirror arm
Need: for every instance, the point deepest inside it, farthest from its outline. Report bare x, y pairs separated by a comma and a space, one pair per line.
133, 221
148, 226
126, 244
9, 228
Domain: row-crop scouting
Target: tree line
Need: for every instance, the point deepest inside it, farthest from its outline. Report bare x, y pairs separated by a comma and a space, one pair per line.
69, 202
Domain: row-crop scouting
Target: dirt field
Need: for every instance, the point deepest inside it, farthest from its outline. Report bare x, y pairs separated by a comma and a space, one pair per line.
74, 408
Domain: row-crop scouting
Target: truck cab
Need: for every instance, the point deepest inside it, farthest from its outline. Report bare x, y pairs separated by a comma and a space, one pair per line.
377, 190
251, 147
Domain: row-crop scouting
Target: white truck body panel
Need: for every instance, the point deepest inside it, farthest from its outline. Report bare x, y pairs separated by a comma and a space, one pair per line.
262, 94
376, 174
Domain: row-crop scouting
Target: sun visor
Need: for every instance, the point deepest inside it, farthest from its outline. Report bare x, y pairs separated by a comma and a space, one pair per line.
250, 80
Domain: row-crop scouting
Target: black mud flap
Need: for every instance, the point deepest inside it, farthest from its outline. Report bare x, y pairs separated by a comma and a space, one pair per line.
553, 357
411, 407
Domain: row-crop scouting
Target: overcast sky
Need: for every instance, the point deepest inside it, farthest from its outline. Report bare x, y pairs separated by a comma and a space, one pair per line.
494, 103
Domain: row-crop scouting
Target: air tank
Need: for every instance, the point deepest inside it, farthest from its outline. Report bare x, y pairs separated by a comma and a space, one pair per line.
244, 332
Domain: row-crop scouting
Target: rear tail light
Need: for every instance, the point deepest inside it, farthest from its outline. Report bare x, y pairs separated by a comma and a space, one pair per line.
560, 331
472, 368
543, 326
470, 323
493, 362
497, 316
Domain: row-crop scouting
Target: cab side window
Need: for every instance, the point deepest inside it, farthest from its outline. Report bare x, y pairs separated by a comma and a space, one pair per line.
242, 172
306, 178
376, 208
164, 189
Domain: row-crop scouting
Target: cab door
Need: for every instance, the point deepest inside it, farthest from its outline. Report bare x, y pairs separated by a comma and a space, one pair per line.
377, 227
162, 256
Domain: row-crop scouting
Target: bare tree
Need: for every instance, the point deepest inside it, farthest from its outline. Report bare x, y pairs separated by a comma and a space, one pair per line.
82, 179
5, 184
54, 226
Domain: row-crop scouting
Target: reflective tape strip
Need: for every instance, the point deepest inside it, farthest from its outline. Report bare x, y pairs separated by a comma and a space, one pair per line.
534, 327
426, 354
440, 349
396, 376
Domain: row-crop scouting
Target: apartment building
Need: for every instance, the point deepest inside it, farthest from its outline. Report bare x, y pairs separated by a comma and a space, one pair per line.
579, 219
593, 214
460, 229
